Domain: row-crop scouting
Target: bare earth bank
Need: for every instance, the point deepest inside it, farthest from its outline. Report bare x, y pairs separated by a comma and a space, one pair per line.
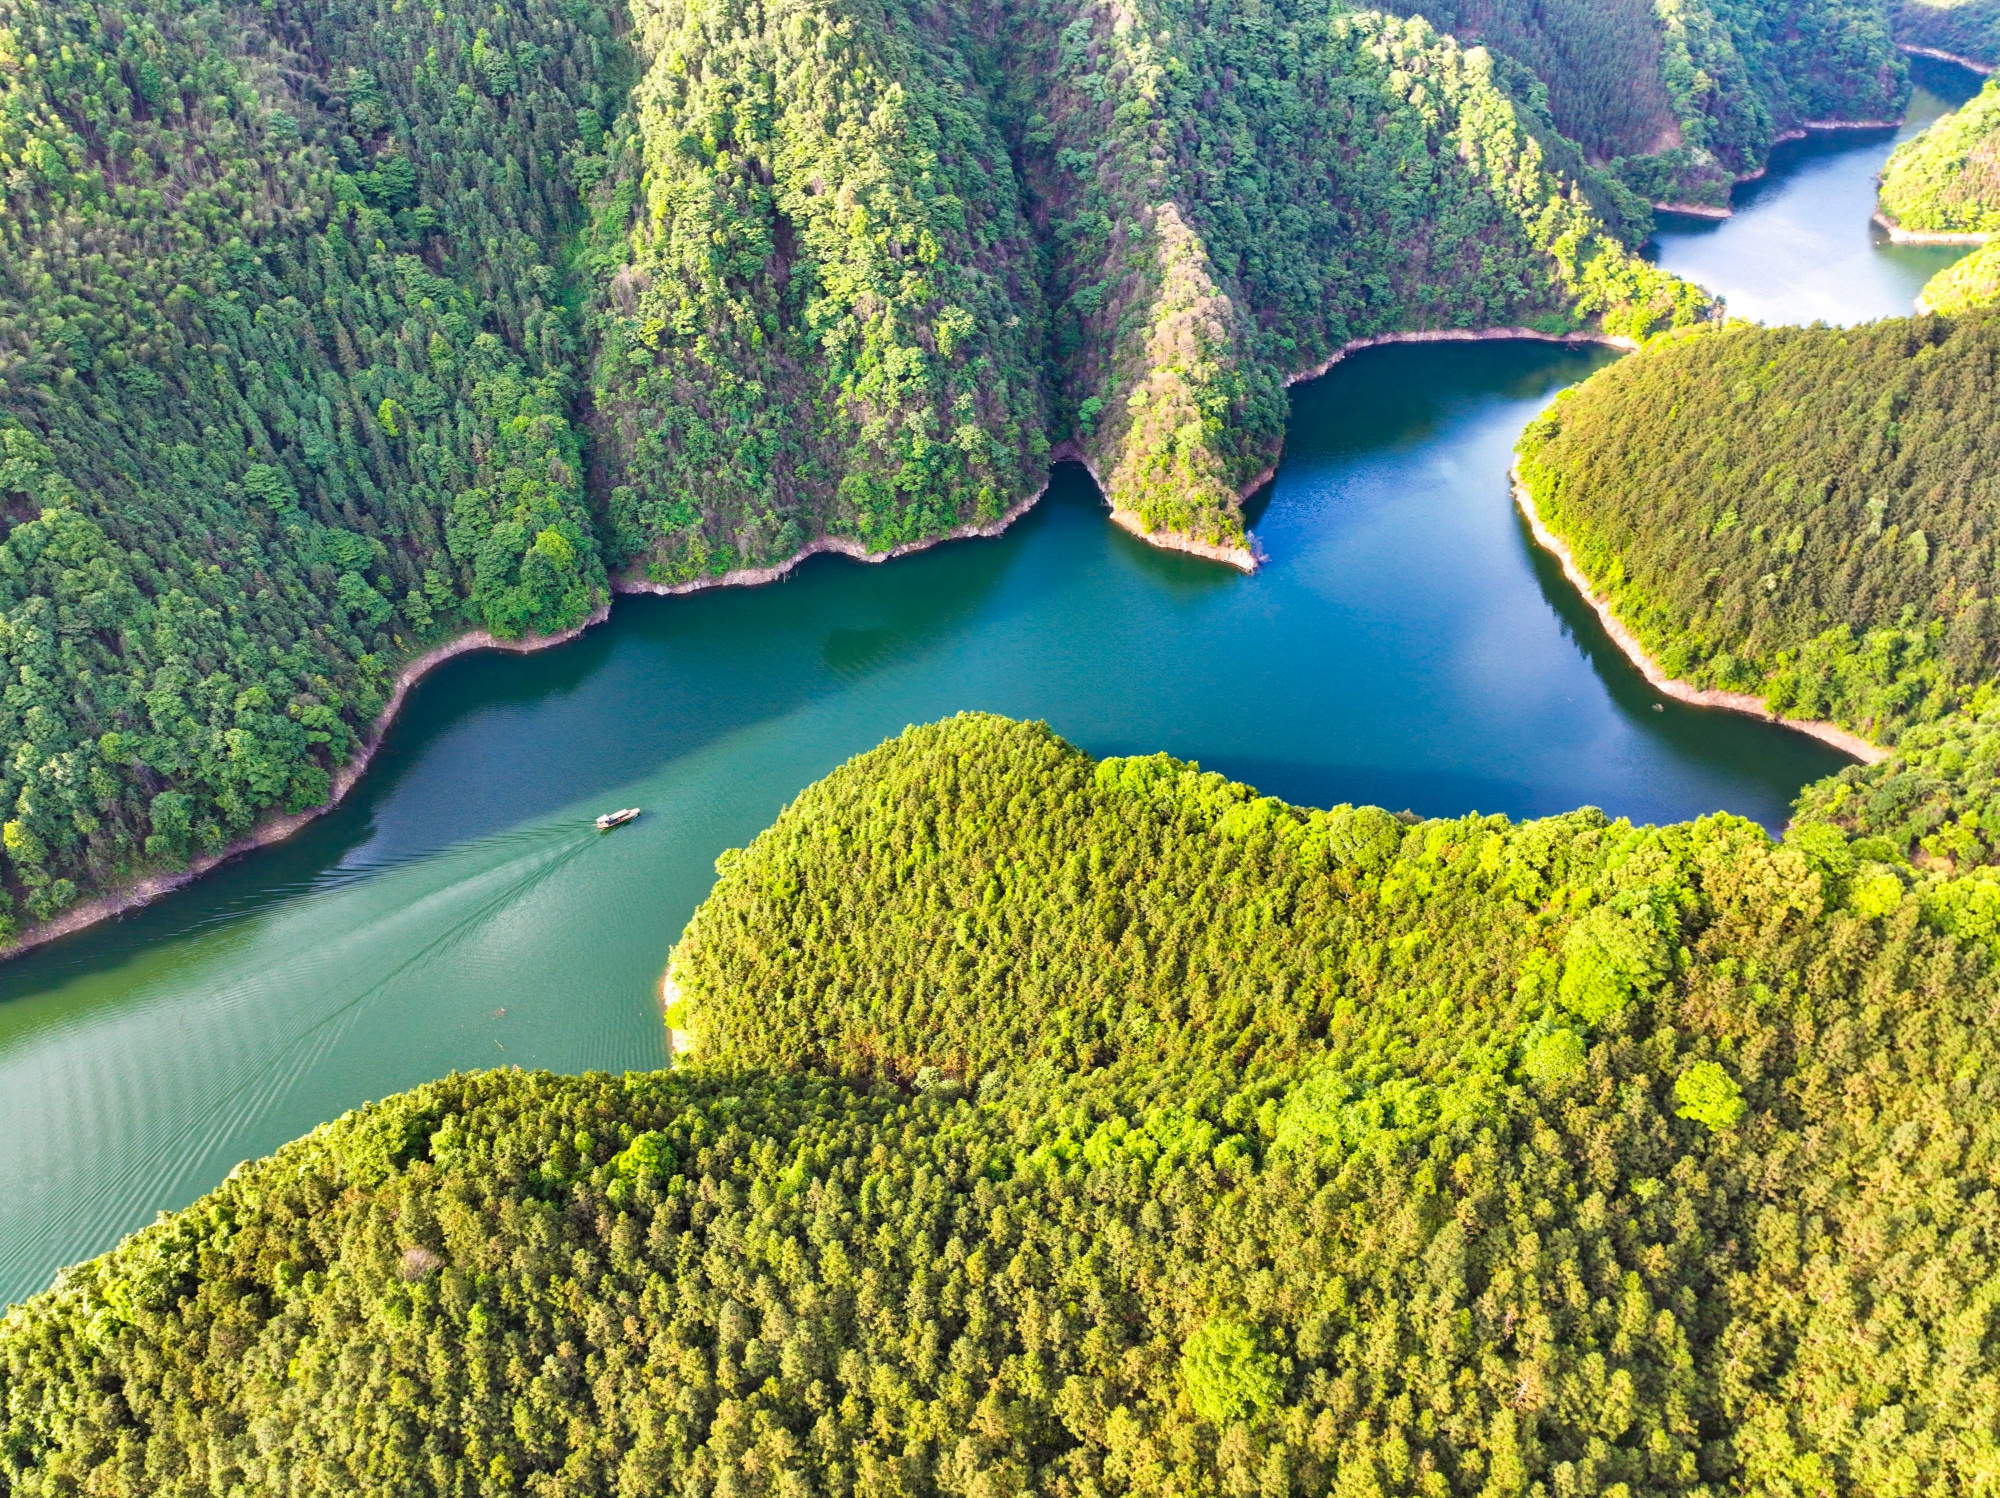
1736, 702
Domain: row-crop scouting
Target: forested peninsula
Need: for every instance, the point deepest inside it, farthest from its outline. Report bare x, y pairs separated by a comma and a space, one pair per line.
332, 331
1083, 1127
1945, 183
1803, 514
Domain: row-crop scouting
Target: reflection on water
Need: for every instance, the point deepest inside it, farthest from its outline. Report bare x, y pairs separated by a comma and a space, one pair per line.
1401, 647
1406, 645
1801, 246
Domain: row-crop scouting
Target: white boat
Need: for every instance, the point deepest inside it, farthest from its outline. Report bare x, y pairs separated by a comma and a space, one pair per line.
613, 819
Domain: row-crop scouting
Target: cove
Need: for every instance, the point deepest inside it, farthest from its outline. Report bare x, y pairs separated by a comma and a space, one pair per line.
1801, 247
1406, 644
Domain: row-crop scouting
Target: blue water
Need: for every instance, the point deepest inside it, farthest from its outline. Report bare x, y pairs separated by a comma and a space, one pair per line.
1406, 644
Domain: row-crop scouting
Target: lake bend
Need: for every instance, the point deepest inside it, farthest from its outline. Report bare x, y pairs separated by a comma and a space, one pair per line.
1405, 644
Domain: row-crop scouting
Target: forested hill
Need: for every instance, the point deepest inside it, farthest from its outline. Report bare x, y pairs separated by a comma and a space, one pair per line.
1681, 100
1079, 1128
878, 270
1968, 29
1947, 180
1806, 514
284, 387
333, 329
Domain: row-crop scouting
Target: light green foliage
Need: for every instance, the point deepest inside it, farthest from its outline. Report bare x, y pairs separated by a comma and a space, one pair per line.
1967, 908
1227, 1374
1071, 1256
1965, 285
1948, 178
1936, 800
1709, 1096
1876, 891
1556, 1058
1610, 957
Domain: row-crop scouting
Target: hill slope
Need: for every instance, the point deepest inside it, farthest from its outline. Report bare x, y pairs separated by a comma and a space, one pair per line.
1804, 514
330, 332
1947, 180
283, 390
827, 314
1244, 1149
1684, 99
1217, 204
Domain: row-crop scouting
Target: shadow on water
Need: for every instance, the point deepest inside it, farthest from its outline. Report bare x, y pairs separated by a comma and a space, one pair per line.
1428, 793
1736, 741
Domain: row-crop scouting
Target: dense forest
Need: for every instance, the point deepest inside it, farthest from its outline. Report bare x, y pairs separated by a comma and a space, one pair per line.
1302, 1152
1805, 514
1968, 29
827, 314
1681, 99
1947, 180
284, 388
832, 314
330, 330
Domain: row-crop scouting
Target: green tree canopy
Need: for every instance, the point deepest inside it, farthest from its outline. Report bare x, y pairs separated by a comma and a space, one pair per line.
986, 1185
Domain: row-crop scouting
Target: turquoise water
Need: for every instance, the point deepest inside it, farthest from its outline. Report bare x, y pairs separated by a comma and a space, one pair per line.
1406, 644
1817, 255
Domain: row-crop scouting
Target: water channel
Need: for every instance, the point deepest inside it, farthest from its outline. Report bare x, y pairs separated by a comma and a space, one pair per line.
1405, 645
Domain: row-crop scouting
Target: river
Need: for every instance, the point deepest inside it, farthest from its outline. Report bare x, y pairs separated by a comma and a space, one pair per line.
1406, 644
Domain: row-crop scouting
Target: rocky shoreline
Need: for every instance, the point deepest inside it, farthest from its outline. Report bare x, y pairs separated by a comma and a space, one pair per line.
844, 546
1982, 68
1900, 235
1737, 702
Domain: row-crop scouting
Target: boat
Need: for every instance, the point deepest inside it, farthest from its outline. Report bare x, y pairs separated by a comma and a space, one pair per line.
613, 819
